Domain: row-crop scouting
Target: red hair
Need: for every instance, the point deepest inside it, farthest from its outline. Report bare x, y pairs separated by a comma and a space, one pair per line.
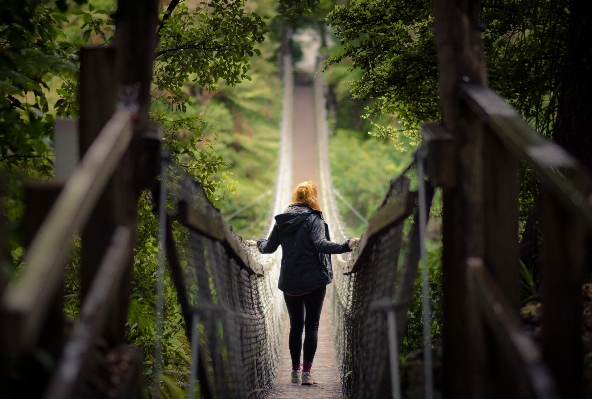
306, 194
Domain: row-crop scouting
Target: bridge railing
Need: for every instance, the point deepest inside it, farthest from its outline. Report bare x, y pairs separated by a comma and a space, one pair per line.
97, 203
476, 151
227, 290
493, 280
228, 295
25, 303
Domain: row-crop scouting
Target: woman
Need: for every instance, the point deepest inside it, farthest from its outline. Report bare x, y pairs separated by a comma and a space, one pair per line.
305, 271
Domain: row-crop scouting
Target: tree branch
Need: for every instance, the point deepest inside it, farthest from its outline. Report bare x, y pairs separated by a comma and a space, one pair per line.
24, 156
190, 47
172, 5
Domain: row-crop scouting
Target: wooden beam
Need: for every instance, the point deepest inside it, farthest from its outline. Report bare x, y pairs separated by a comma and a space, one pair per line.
573, 186
215, 227
39, 199
440, 145
26, 301
389, 215
93, 316
460, 58
517, 351
501, 191
563, 255
135, 39
117, 203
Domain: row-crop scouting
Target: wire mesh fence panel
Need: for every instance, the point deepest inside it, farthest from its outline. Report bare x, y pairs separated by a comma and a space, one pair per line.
230, 286
359, 321
241, 325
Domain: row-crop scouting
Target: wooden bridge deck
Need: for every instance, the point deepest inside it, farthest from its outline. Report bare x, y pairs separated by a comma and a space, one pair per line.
324, 368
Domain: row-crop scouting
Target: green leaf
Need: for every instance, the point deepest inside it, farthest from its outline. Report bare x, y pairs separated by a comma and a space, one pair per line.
86, 35
40, 147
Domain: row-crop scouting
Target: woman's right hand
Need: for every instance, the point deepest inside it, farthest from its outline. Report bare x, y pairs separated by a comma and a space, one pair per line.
251, 243
353, 242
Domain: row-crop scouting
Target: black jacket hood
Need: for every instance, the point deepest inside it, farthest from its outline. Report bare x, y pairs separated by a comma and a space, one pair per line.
289, 221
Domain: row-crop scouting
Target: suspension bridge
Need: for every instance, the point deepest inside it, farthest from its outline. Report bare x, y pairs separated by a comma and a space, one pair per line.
234, 315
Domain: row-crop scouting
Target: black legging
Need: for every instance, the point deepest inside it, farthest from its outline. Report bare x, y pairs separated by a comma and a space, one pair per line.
313, 303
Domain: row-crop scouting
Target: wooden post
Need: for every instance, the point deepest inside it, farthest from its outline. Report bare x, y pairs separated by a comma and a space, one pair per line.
460, 58
98, 96
135, 40
3, 282
501, 250
39, 199
501, 191
562, 258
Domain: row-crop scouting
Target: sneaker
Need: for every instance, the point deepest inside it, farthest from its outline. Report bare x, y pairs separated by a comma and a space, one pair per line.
296, 376
308, 379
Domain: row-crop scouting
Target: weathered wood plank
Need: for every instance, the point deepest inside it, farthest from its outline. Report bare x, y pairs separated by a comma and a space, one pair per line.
460, 58
440, 160
563, 257
390, 214
516, 350
218, 229
39, 199
135, 40
93, 315
573, 186
98, 99
500, 196
26, 301
193, 218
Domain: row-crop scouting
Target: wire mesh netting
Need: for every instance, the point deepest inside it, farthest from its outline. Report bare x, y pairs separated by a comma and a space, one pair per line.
240, 316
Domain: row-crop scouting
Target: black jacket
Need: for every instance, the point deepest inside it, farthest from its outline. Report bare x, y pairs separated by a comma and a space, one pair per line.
306, 249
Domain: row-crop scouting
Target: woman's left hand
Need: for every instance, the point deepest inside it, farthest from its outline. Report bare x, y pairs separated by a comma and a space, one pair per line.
352, 242
251, 243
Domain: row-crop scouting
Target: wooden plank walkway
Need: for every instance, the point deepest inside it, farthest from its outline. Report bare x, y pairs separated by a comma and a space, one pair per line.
324, 368
304, 142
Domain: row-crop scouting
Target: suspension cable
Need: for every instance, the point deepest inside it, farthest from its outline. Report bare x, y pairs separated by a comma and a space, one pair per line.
425, 288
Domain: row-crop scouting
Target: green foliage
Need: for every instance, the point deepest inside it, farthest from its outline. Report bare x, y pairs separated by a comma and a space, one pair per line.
393, 45
31, 50
529, 286
189, 148
293, 10
413, 339
525, 43
248, 117
206, 45
361, 172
